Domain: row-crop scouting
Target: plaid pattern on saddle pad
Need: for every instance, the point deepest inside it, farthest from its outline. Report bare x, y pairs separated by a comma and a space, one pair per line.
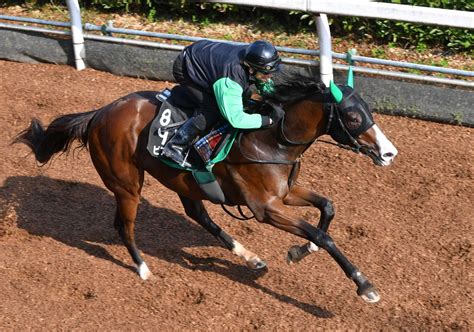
206, 145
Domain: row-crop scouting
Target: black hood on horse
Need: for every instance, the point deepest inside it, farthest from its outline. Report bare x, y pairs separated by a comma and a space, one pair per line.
345, 120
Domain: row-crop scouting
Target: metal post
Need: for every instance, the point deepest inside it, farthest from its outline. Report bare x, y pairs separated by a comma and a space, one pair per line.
77, 35
324, 36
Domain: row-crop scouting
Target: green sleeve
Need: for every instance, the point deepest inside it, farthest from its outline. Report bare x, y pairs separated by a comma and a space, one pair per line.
229, 99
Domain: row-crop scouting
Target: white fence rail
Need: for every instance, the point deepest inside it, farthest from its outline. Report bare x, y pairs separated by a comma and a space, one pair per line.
415, 14
389, 11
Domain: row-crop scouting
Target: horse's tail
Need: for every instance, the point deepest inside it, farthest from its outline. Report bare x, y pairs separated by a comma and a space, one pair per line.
58, 136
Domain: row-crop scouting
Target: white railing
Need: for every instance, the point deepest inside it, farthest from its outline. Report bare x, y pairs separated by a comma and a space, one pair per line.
389, 11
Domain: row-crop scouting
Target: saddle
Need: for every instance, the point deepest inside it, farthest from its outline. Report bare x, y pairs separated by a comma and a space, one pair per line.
204, 152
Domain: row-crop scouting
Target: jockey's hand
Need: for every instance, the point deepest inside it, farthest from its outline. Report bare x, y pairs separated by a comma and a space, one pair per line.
276, 113
252, 106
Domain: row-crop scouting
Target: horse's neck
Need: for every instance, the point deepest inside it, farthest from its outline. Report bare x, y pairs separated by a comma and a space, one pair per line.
304, 120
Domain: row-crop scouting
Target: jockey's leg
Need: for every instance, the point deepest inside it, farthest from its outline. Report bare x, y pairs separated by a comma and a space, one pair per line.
205, 116
177, 147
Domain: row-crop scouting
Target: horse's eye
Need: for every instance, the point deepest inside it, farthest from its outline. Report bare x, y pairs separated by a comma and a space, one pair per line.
353, 120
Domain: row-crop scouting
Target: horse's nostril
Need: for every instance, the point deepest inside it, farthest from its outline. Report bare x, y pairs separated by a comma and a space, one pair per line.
388, 155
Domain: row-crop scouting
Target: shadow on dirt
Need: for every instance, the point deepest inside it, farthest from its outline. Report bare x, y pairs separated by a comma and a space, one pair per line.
81, 215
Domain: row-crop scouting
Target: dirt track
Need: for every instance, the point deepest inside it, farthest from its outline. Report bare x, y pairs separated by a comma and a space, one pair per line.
62, 265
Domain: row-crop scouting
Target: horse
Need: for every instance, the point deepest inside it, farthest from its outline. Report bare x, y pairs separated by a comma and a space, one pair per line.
259, 172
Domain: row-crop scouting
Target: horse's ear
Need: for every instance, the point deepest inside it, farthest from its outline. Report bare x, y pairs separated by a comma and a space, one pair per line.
350, 78
335, 92
350, 74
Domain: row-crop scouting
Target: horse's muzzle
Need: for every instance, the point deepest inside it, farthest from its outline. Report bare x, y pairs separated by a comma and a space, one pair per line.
384, 152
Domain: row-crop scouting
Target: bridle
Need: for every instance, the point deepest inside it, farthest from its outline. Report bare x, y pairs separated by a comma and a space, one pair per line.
356, 146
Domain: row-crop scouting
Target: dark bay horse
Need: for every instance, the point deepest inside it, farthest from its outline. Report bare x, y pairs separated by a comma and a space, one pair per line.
259, 172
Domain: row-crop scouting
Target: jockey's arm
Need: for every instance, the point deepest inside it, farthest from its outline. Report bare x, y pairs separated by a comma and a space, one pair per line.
229, 99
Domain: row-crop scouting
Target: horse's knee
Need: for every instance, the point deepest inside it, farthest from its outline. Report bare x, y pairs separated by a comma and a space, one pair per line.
328, 208
265, 207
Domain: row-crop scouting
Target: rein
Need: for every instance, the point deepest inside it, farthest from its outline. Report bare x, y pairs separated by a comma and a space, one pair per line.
286, 140
239, 208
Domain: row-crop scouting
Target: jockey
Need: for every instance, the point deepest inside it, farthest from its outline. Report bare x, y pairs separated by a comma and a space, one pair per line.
215, 76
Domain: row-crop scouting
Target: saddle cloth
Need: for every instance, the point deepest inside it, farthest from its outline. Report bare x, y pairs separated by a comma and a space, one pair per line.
167, 121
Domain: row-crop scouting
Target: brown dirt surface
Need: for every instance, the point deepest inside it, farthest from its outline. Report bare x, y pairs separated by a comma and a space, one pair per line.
408, 227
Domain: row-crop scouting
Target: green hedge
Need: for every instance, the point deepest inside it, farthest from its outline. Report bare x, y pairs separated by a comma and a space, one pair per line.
421, 36
382, 31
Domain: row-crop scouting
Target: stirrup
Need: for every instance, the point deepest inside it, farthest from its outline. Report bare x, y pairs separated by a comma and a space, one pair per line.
172, 154
185, 162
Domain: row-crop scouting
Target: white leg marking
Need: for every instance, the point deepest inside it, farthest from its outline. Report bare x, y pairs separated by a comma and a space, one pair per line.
312, 247
252, 260
387, 150
143, 271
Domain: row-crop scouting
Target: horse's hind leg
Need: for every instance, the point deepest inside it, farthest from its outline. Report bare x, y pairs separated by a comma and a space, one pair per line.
300, 196
197, 211
127, 205
125, 180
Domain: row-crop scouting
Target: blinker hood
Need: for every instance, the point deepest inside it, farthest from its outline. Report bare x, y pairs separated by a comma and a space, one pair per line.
353, 111
353, 118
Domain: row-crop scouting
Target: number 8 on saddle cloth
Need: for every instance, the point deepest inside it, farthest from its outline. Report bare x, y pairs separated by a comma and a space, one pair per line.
170, 118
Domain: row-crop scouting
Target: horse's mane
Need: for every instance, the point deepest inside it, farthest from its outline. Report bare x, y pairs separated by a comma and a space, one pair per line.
295, 84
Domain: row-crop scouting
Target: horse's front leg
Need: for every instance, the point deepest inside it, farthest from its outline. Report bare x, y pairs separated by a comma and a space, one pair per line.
280, 216
197, 211
300, 196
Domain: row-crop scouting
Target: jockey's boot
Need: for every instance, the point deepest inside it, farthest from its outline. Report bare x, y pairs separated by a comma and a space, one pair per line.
177, 147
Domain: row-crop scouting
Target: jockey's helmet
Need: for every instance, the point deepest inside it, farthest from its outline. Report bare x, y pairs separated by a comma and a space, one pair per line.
262, 57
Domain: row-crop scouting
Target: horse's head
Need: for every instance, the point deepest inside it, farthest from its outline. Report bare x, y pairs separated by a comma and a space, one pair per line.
352, 125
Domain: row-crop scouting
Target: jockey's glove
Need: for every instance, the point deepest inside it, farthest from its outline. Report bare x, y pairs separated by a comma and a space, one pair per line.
276, 113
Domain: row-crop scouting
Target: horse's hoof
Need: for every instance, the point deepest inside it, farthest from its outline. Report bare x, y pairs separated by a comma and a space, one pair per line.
260, 271
371, 297
144, 271
256, 264
290, 259
368, 293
